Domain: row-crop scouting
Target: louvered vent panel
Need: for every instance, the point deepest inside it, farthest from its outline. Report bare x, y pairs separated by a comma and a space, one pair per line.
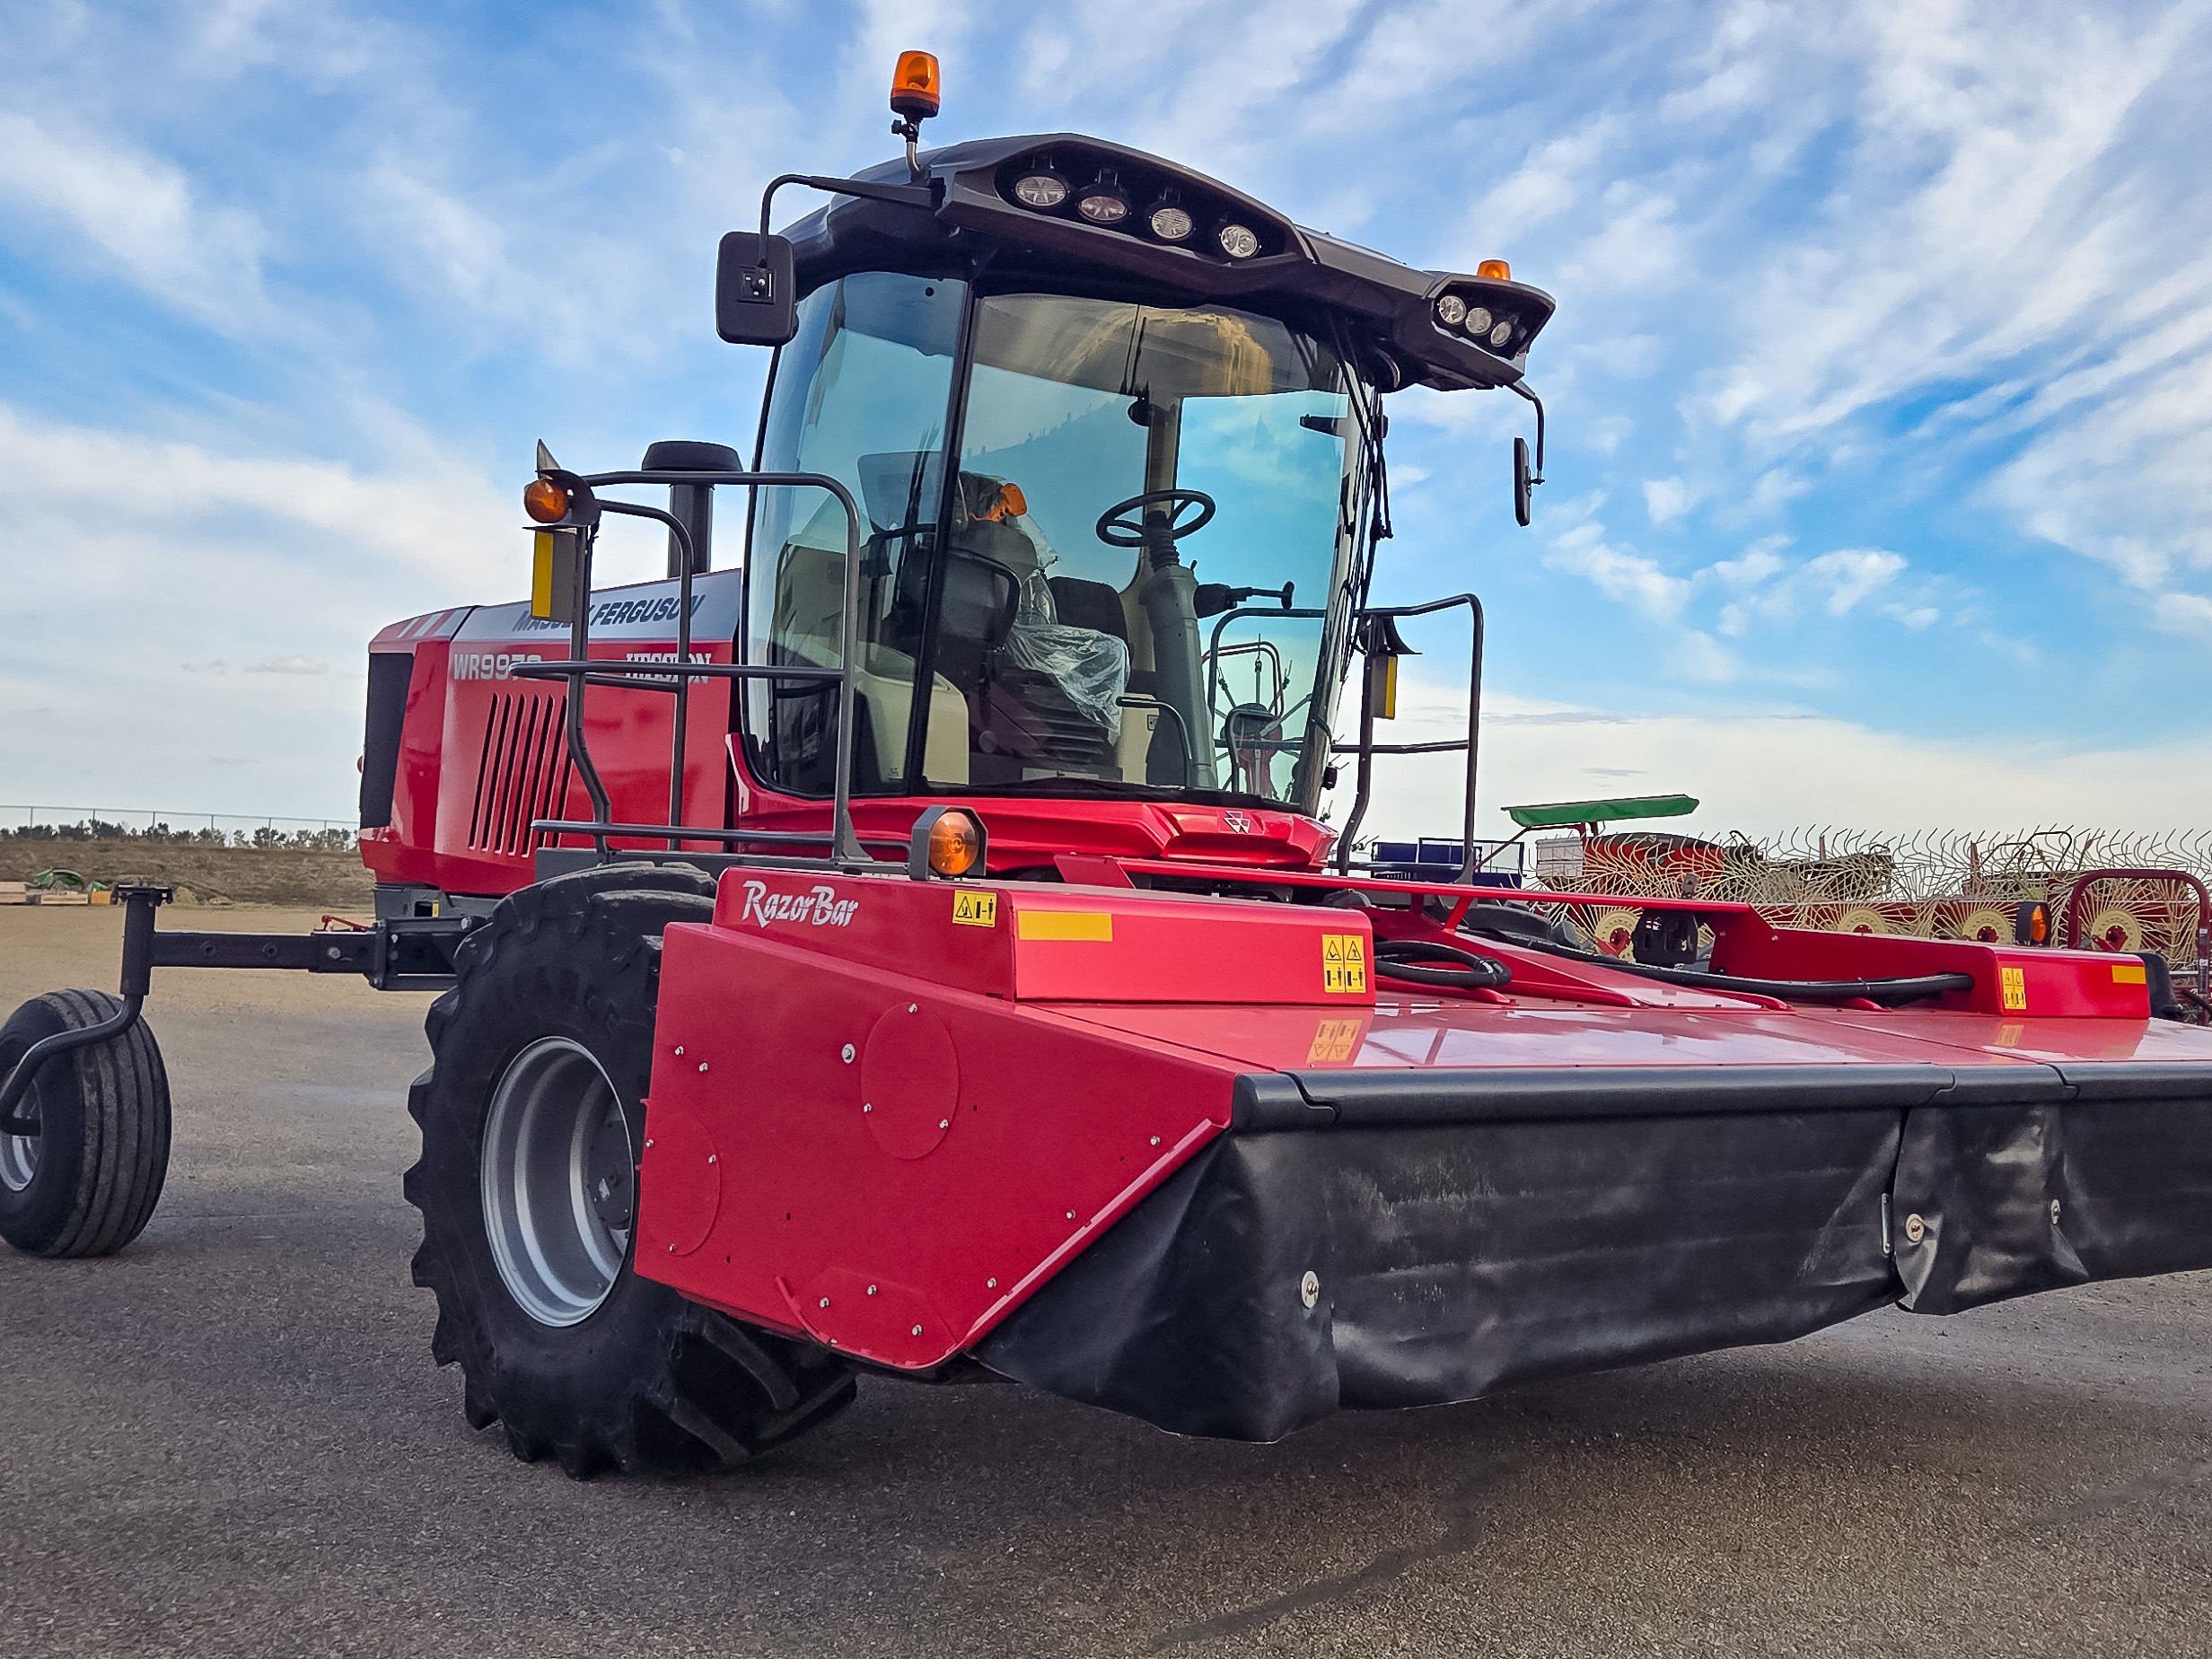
522, 773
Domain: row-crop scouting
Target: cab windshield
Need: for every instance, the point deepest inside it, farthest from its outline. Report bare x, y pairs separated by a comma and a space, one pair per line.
1121, 587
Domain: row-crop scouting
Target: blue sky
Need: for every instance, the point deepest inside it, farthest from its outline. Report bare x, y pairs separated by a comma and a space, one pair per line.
1881, 476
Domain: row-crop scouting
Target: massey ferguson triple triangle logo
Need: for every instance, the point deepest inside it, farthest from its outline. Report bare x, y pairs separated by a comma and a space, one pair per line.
1241, 822
821, 907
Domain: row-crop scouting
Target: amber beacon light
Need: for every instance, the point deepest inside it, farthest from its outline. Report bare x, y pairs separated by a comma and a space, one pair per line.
545, 501
915, 88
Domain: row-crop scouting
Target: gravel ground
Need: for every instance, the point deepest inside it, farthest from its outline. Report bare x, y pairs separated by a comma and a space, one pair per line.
231, 1440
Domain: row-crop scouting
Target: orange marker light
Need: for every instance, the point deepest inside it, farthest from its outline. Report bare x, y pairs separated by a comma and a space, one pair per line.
545, 501
915, 88
953, 844
1496, 269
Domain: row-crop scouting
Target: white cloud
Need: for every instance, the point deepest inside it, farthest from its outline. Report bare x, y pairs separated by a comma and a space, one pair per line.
139, 214
1758, 562
2188, 614
1618, 573
180, 562
1666, 499
1767, 771
88, 484
1761, 585
1850, 574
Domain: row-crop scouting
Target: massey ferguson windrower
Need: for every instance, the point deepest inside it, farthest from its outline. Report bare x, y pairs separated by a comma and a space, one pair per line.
915, 948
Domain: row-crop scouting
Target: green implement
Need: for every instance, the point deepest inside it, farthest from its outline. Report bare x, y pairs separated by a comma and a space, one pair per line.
1560, 814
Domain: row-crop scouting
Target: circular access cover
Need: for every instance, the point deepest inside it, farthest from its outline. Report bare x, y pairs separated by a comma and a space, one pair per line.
909, 1081
682, 1175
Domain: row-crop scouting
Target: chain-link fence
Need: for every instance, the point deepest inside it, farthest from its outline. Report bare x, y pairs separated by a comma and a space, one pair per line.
32, 822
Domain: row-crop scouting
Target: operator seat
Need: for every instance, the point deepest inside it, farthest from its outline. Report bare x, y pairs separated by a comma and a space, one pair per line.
1089, 604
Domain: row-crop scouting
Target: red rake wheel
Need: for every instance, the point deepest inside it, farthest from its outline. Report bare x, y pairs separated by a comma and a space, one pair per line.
1614, 930
2113, 929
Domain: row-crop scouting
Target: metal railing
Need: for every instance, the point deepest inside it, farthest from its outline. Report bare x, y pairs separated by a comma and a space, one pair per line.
1366, 749
844, 846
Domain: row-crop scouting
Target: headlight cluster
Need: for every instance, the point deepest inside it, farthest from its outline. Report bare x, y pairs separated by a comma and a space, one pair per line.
1112, 202
1495, 330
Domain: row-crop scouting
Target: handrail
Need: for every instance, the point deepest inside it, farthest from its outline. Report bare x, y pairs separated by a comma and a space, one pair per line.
845, 846
2069, 932
1366, 749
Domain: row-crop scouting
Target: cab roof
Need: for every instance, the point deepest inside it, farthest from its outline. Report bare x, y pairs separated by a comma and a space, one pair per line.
1299, 275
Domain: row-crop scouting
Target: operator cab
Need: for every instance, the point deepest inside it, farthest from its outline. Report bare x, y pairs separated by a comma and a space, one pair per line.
1063, 490
1118, 448
1100, 597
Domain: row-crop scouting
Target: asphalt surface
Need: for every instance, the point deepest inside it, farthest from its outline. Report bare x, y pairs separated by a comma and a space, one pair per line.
231, 1440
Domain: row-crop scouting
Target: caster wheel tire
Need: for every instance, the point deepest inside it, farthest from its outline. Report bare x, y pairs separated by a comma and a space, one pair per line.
85, 1184
532, 1121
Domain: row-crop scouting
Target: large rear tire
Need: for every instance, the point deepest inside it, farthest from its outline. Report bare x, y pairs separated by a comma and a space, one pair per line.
86, 1184
533, 1118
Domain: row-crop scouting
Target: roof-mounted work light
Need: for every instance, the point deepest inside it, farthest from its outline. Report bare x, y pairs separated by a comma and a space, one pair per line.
1169, 219
1105, 202
1239, 241
1041, 186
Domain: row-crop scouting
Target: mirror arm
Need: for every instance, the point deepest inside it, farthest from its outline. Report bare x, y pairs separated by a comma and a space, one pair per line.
922, 195
1521, 387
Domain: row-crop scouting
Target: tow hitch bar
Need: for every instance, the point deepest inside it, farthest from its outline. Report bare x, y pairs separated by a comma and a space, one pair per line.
414, 954
138, 979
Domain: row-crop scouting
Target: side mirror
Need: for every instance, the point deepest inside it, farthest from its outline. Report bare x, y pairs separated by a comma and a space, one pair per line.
756, 299
1522, 479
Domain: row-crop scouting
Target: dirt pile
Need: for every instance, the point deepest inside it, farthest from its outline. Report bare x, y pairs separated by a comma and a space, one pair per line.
330, 879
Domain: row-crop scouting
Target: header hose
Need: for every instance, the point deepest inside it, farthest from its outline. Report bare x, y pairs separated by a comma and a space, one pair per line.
1888, 992
1452, 969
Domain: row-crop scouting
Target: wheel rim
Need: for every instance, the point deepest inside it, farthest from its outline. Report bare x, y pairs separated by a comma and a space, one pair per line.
559, 1179
19, 1153
19, 1161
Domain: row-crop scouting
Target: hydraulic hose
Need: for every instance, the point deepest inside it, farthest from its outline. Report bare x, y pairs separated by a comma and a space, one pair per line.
1888, 992
1422, 961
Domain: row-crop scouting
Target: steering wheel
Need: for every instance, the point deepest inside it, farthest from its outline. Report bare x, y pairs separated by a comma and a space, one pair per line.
1117, 529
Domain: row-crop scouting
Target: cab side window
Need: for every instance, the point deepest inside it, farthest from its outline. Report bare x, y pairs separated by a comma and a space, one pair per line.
862, 394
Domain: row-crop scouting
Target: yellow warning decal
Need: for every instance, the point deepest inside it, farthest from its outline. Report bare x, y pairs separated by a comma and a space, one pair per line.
2016, 983
2128, 973
1333, 1040
977, 909
1343, 962
1097, 925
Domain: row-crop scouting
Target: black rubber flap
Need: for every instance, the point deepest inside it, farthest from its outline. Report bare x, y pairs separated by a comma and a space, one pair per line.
2113, 1182
1454, 1259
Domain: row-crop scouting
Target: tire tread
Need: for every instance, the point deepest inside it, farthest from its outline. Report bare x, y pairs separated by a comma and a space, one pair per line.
122, 1119
711, 1393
